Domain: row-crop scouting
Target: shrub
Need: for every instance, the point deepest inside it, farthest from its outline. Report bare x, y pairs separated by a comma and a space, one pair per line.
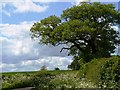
41, 80
76, 63
43, 68
16, 81
104, 72
109, 73
57, 68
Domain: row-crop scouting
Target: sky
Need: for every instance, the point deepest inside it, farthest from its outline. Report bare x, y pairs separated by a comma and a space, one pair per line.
18, 51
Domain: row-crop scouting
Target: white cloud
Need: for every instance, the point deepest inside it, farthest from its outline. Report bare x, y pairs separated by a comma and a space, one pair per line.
36, 0
20, 47
28, 6
79, 1
27, 63
22, 6
7, 65
17, 46
31, 65
50, 62
14, 30
56, 0
105, 0
17, 38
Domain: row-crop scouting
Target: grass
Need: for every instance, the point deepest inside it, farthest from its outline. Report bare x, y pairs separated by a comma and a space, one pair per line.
13, 80
13, 73
16, 80
42, 79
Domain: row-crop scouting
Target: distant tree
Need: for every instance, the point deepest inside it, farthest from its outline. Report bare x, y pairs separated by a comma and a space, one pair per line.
43, 68
76, 63
86, 30
57, 68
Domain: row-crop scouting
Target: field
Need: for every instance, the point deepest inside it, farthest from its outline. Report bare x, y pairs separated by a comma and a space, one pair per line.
43, 79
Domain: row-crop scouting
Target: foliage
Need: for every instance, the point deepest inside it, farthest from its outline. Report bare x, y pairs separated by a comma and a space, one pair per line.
70, 80
105, 72
16, 80
110, 73
57, 68
43, 68
76, 63
45, 80
41, 80
86, 30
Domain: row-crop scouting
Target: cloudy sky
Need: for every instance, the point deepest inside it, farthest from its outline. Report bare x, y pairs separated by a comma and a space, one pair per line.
18, 51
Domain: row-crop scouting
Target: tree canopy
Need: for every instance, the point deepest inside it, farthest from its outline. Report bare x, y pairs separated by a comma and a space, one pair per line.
86, 30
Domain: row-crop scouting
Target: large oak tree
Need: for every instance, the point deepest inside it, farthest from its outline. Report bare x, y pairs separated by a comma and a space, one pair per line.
86, 30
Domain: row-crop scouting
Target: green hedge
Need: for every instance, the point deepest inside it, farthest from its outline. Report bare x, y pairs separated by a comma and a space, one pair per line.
104, 72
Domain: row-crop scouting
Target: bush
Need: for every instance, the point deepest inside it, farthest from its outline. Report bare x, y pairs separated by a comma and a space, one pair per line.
109, 73
104, 72
13, 81
76, 63
41, 80
43, 68
57, 68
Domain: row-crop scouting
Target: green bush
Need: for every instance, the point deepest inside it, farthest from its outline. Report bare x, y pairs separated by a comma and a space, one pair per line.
41, 80
57, 68
12, 81
104, 72
76, 63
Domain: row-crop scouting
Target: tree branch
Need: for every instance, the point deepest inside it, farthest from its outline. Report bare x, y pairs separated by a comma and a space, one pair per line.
67, 48
63, 49
61, 43
77, 45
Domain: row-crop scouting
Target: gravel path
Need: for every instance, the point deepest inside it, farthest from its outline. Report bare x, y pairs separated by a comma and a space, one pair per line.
27, 88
